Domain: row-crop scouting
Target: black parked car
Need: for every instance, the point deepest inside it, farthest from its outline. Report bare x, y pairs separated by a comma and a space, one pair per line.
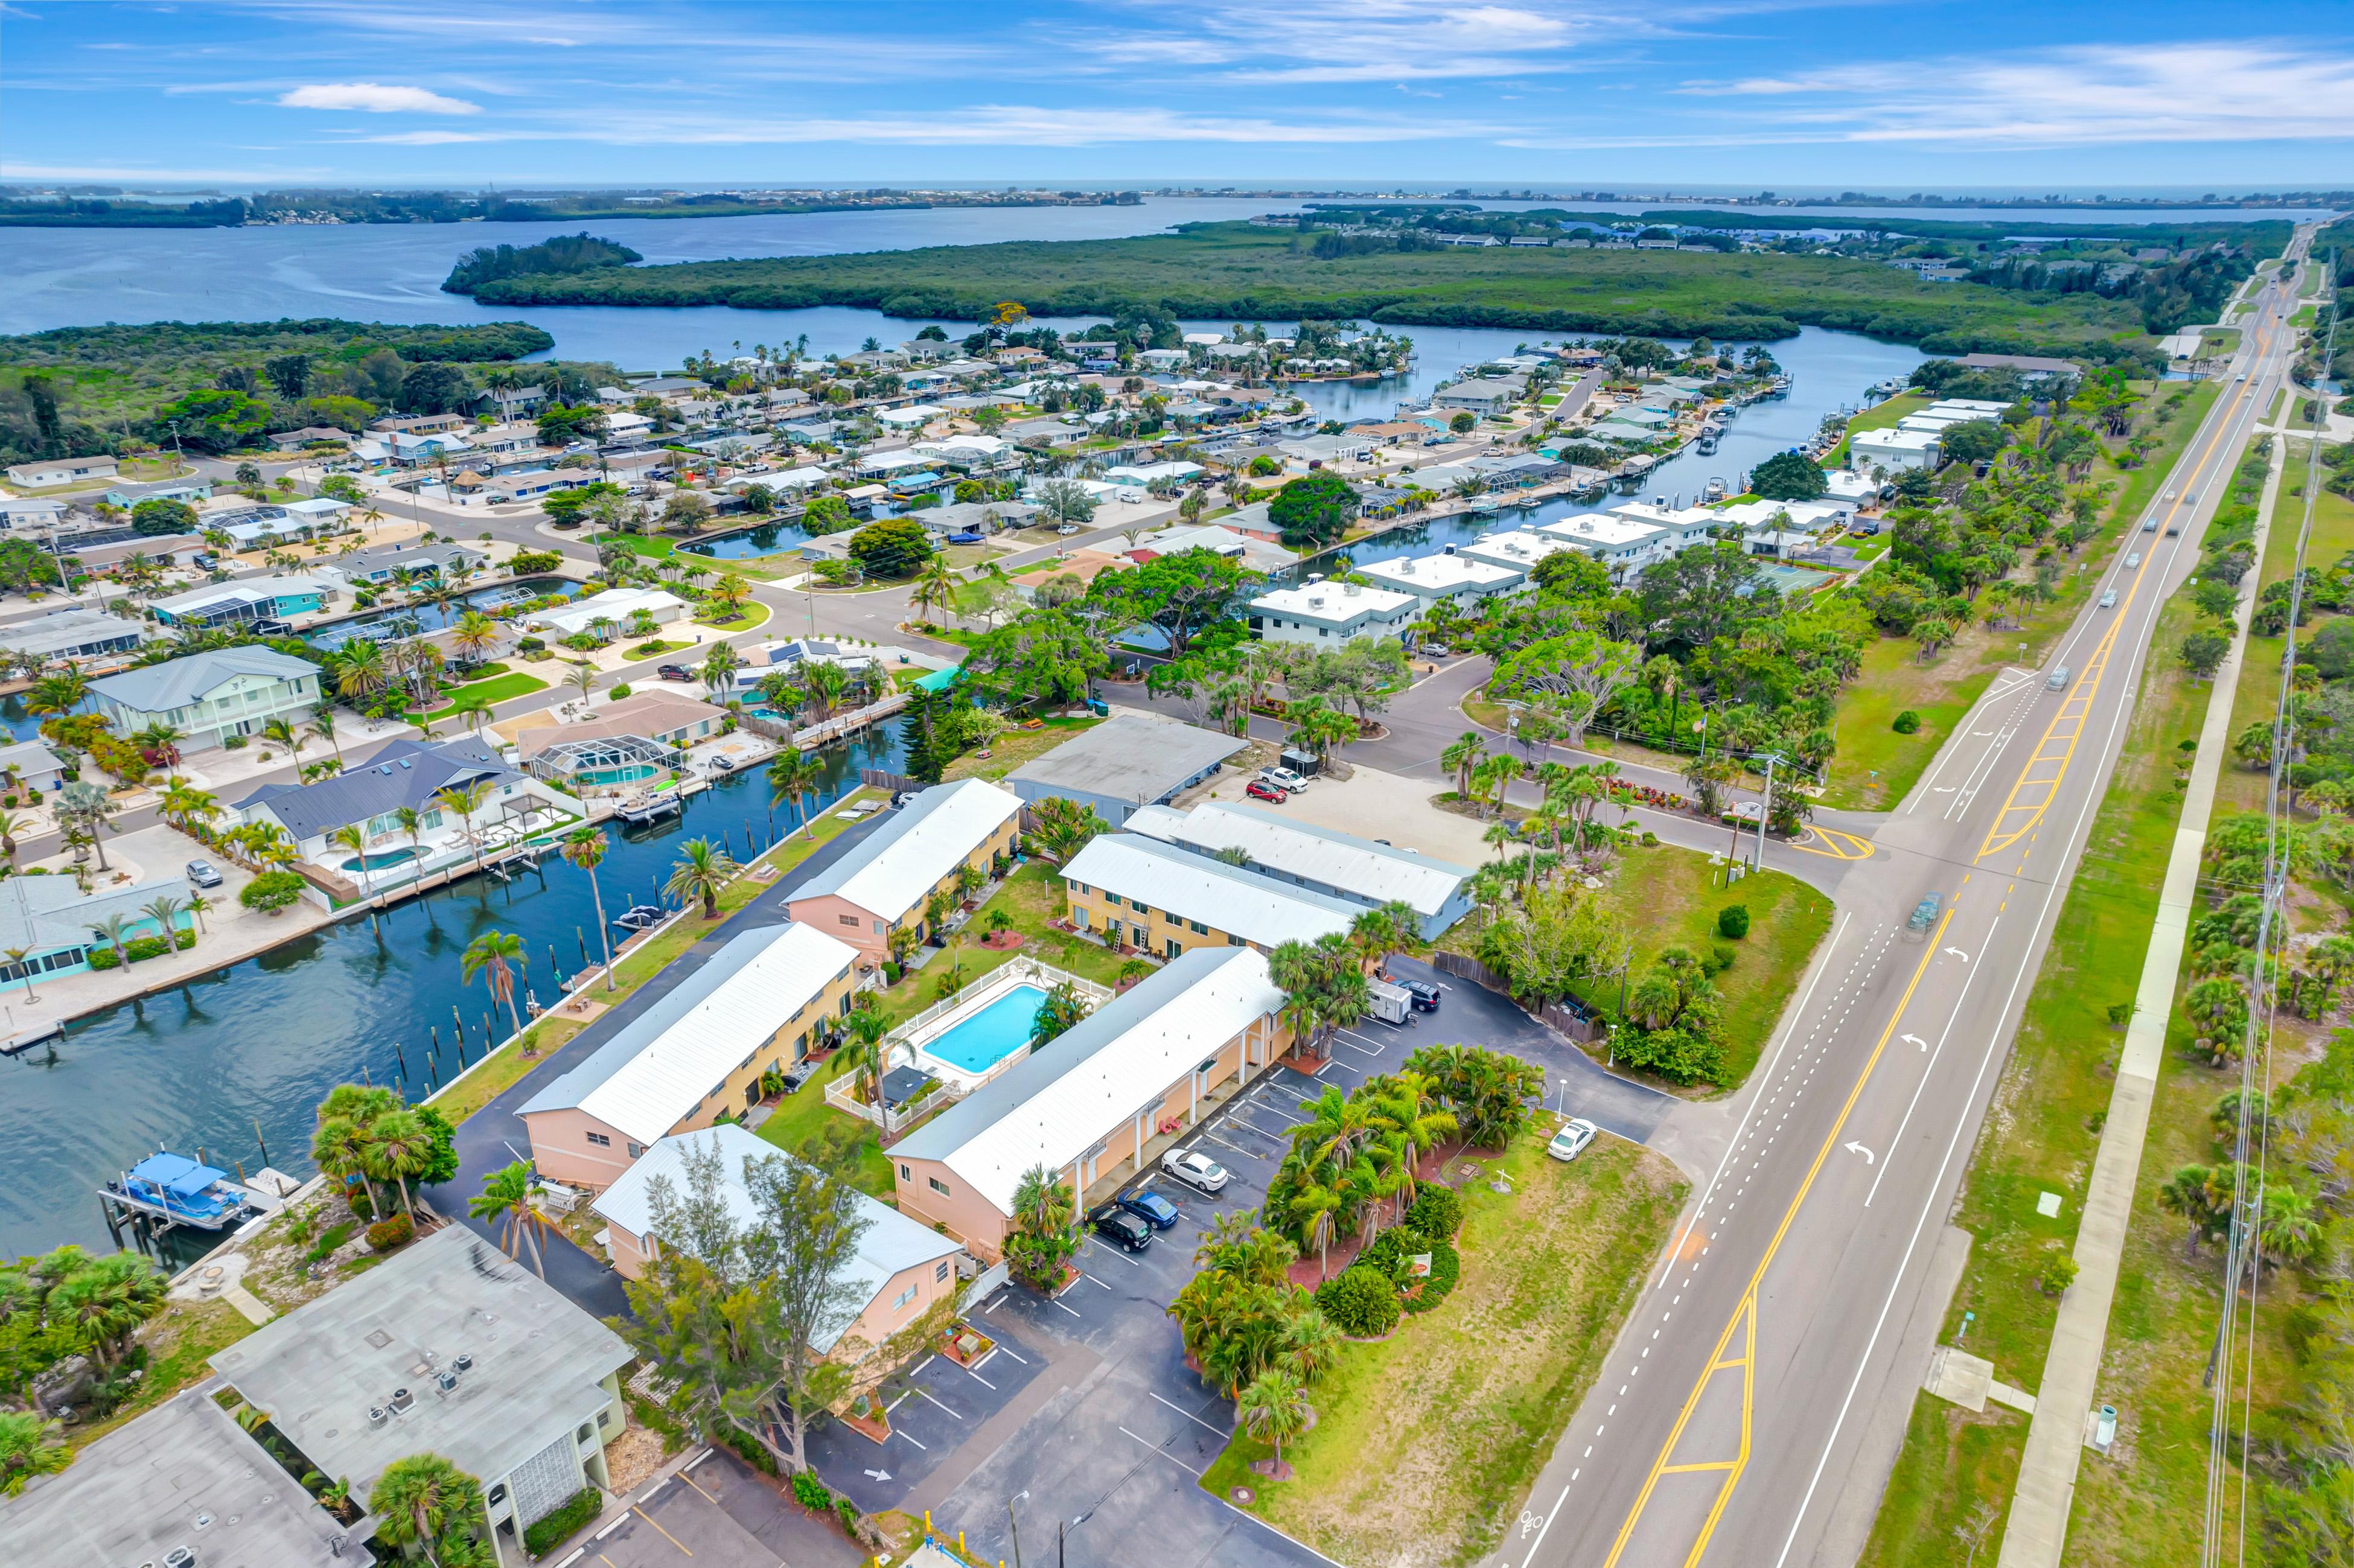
1151, 1208
1115, 1224
1425, 994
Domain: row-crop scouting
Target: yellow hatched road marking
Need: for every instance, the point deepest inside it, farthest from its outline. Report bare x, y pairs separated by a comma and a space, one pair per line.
1835, 842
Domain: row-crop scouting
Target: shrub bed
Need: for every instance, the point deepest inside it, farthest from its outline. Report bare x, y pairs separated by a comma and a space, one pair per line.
1361, 1302
143, 948
387, 1235
570, 1516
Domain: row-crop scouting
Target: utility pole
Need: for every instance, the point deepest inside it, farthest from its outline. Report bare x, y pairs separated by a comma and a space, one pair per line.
1765, 810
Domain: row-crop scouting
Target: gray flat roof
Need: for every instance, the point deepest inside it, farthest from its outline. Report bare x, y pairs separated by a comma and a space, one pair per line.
536, 1361
1130, 756
136, 1493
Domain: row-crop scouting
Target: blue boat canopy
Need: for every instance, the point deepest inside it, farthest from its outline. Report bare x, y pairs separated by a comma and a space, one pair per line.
177, 1174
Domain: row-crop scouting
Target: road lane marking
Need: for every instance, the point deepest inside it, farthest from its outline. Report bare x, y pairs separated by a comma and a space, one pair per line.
1747, 1308
1166, 1455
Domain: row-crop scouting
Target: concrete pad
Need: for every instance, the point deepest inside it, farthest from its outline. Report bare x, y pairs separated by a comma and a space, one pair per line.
2048, 1205
1960, 1377
1372, 804
2017, 1398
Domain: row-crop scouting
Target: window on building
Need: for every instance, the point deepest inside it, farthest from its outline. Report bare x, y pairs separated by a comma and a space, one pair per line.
1140, 907
497, 1494
1172, 918
847, 919
1078, 918
941, 1273
899, 1302
905, 1174
1198, 929
938, 1185
1081, 887
636, 1150
587, 1433
601, 1140
880, 930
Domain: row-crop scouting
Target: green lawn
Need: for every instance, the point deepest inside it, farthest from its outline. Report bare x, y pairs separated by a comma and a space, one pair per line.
1015, 747
656, 649
497, 689
1666, 897
638, 545
1879, 417
803, 1119
1426, 1444
1874, 767
177, 1340
749, 614
2041, 1139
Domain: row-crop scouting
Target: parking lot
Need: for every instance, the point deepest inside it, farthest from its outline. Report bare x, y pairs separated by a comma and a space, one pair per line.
1118, 1431
716, 1510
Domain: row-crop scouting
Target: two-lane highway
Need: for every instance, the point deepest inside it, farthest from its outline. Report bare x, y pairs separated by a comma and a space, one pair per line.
1752, 1407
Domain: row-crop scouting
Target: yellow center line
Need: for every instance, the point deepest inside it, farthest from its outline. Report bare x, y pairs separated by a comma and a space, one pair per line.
1747, 1310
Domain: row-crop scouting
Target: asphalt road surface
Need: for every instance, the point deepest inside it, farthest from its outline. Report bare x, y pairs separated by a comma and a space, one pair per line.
1744, 1416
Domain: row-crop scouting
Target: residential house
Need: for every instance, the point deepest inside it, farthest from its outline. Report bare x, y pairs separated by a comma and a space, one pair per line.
884, 883
418, 424
620, 606
187, 492
248, 600
977, 516
58, 924
210, 697
1621, 543
1519, 549
757, 1005
1462, 581
900, 1271
31, 512
1323, 860
418, 562
1143, 476
1305, 452
1893, 450
44, 473
448, 1346
1131, 759
308, 436
1478, 395
629, 741
73, 634
1321, 612
30, 764
1164, 899
1192, 1033
1258, 555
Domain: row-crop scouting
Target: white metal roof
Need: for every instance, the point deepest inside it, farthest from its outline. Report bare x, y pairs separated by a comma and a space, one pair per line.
1356, 867
1331, 602
613, 604
896, 869
890, 1242
1258, 909
1053, 1106
1426, 575
664, 1064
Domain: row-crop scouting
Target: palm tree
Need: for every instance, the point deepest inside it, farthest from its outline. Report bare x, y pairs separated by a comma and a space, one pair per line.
1311, 1342
936, 588
720, 667
420, 1499
323, 727
475, 635
29, 1447
465, 800
362, 673
866, 1031
474, 709
701, 871
350, 837
582, 677
1274, 1409
585, 849
795, 776
196, 905
282, 733
165, 913
87, 807
11, 824
825, 683
17, 956
498, 957
1493, 776
340, 1148
412, 822
399, 1147
1463, 757
54, 695
112, 930
507, 1196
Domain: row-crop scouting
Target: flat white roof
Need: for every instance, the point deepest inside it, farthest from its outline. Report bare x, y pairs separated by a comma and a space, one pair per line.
1228, 898
1651, 512
1051, 1107
1442, 573
1893, 440
614, 604
1978, 406
1519, 549
898, 866
661, 1065
293, 584
1801, 513
1604, 530
1357, 867
1333, 601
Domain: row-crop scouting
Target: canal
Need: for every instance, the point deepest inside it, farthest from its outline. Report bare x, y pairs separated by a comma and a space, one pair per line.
255, 1046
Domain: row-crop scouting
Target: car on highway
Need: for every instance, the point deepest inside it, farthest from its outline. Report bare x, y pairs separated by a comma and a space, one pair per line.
2169, 495
2133, 560
2059, 681
1571, 1141
1260, 789
2172, 529
2243, 375
2109, 599
201, 873
1150, 1207
1119, 1227
1196, 1170
2150, 524
1284, 778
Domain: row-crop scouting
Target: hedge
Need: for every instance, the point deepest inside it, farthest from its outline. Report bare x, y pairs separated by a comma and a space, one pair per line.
574, 1512
387, 1235
1361, 1302
1438, 1212
104, 959
1446, 1268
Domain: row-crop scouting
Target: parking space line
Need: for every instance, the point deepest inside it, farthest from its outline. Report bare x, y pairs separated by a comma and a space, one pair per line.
1166, 1455
696, 1460
978, 1379
1237, 1148
1001, 1351
1085, 1275
1187, 1415
699, 1491
950, 1410
900, 1400
1109, 1252
666, 1535
927, 1447
1058, 1303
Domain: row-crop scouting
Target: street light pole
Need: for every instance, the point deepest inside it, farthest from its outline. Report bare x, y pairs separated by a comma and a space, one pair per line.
1765, 810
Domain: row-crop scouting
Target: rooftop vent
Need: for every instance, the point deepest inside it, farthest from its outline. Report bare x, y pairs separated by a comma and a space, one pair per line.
1315, 601
463, 1364
375, 1416
402, 1400
1351, 589
448, 1380
180, 1557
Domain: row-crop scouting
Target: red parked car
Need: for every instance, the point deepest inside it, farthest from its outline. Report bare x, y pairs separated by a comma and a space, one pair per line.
1260, 789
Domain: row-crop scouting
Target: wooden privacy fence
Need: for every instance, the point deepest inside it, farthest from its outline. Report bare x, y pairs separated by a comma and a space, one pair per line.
1565, 1015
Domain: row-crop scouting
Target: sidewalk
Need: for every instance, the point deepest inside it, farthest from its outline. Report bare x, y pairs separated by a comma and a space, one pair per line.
2038, 1529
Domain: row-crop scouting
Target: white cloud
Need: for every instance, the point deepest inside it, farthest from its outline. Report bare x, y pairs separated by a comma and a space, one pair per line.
985, 125
375, 97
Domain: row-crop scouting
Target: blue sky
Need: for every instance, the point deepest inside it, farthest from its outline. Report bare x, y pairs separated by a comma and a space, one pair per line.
1790, 94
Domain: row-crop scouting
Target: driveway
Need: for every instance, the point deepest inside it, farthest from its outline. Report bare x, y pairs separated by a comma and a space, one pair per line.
496, 1137
716, 1513
1104, 1442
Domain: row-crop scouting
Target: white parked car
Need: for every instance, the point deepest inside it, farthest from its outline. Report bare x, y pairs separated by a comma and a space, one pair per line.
1067, 529
1284, 778
1571, 1141
1194, 1170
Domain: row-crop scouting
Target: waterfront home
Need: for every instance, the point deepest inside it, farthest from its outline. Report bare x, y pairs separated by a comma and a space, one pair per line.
1164, 899
421, 562
1323, 860
1478, 396
58, 924
210, 697
73, 634
1457, 580
1258, 555
883, 883
629, 741
1084, 565
1131, 759
1519, 549
1306, 452
1518, 470
1144, 476
1326, 613
448, 1346
1894, 451
1090, 1107
977, 516
127, 1498
759, 1005
243, 602
2031, 367
411, 774
30, 765
1253, 522
619, 605
1625, 544
898, 1270
46, 472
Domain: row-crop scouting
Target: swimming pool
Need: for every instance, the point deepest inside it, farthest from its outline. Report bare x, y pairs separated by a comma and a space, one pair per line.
378, 861
974, 1044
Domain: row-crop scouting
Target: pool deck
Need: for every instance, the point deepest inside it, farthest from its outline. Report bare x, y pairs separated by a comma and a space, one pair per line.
916, 1035
947, 1067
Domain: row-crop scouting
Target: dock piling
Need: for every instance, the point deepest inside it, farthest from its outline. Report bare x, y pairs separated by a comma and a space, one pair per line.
261, 1140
